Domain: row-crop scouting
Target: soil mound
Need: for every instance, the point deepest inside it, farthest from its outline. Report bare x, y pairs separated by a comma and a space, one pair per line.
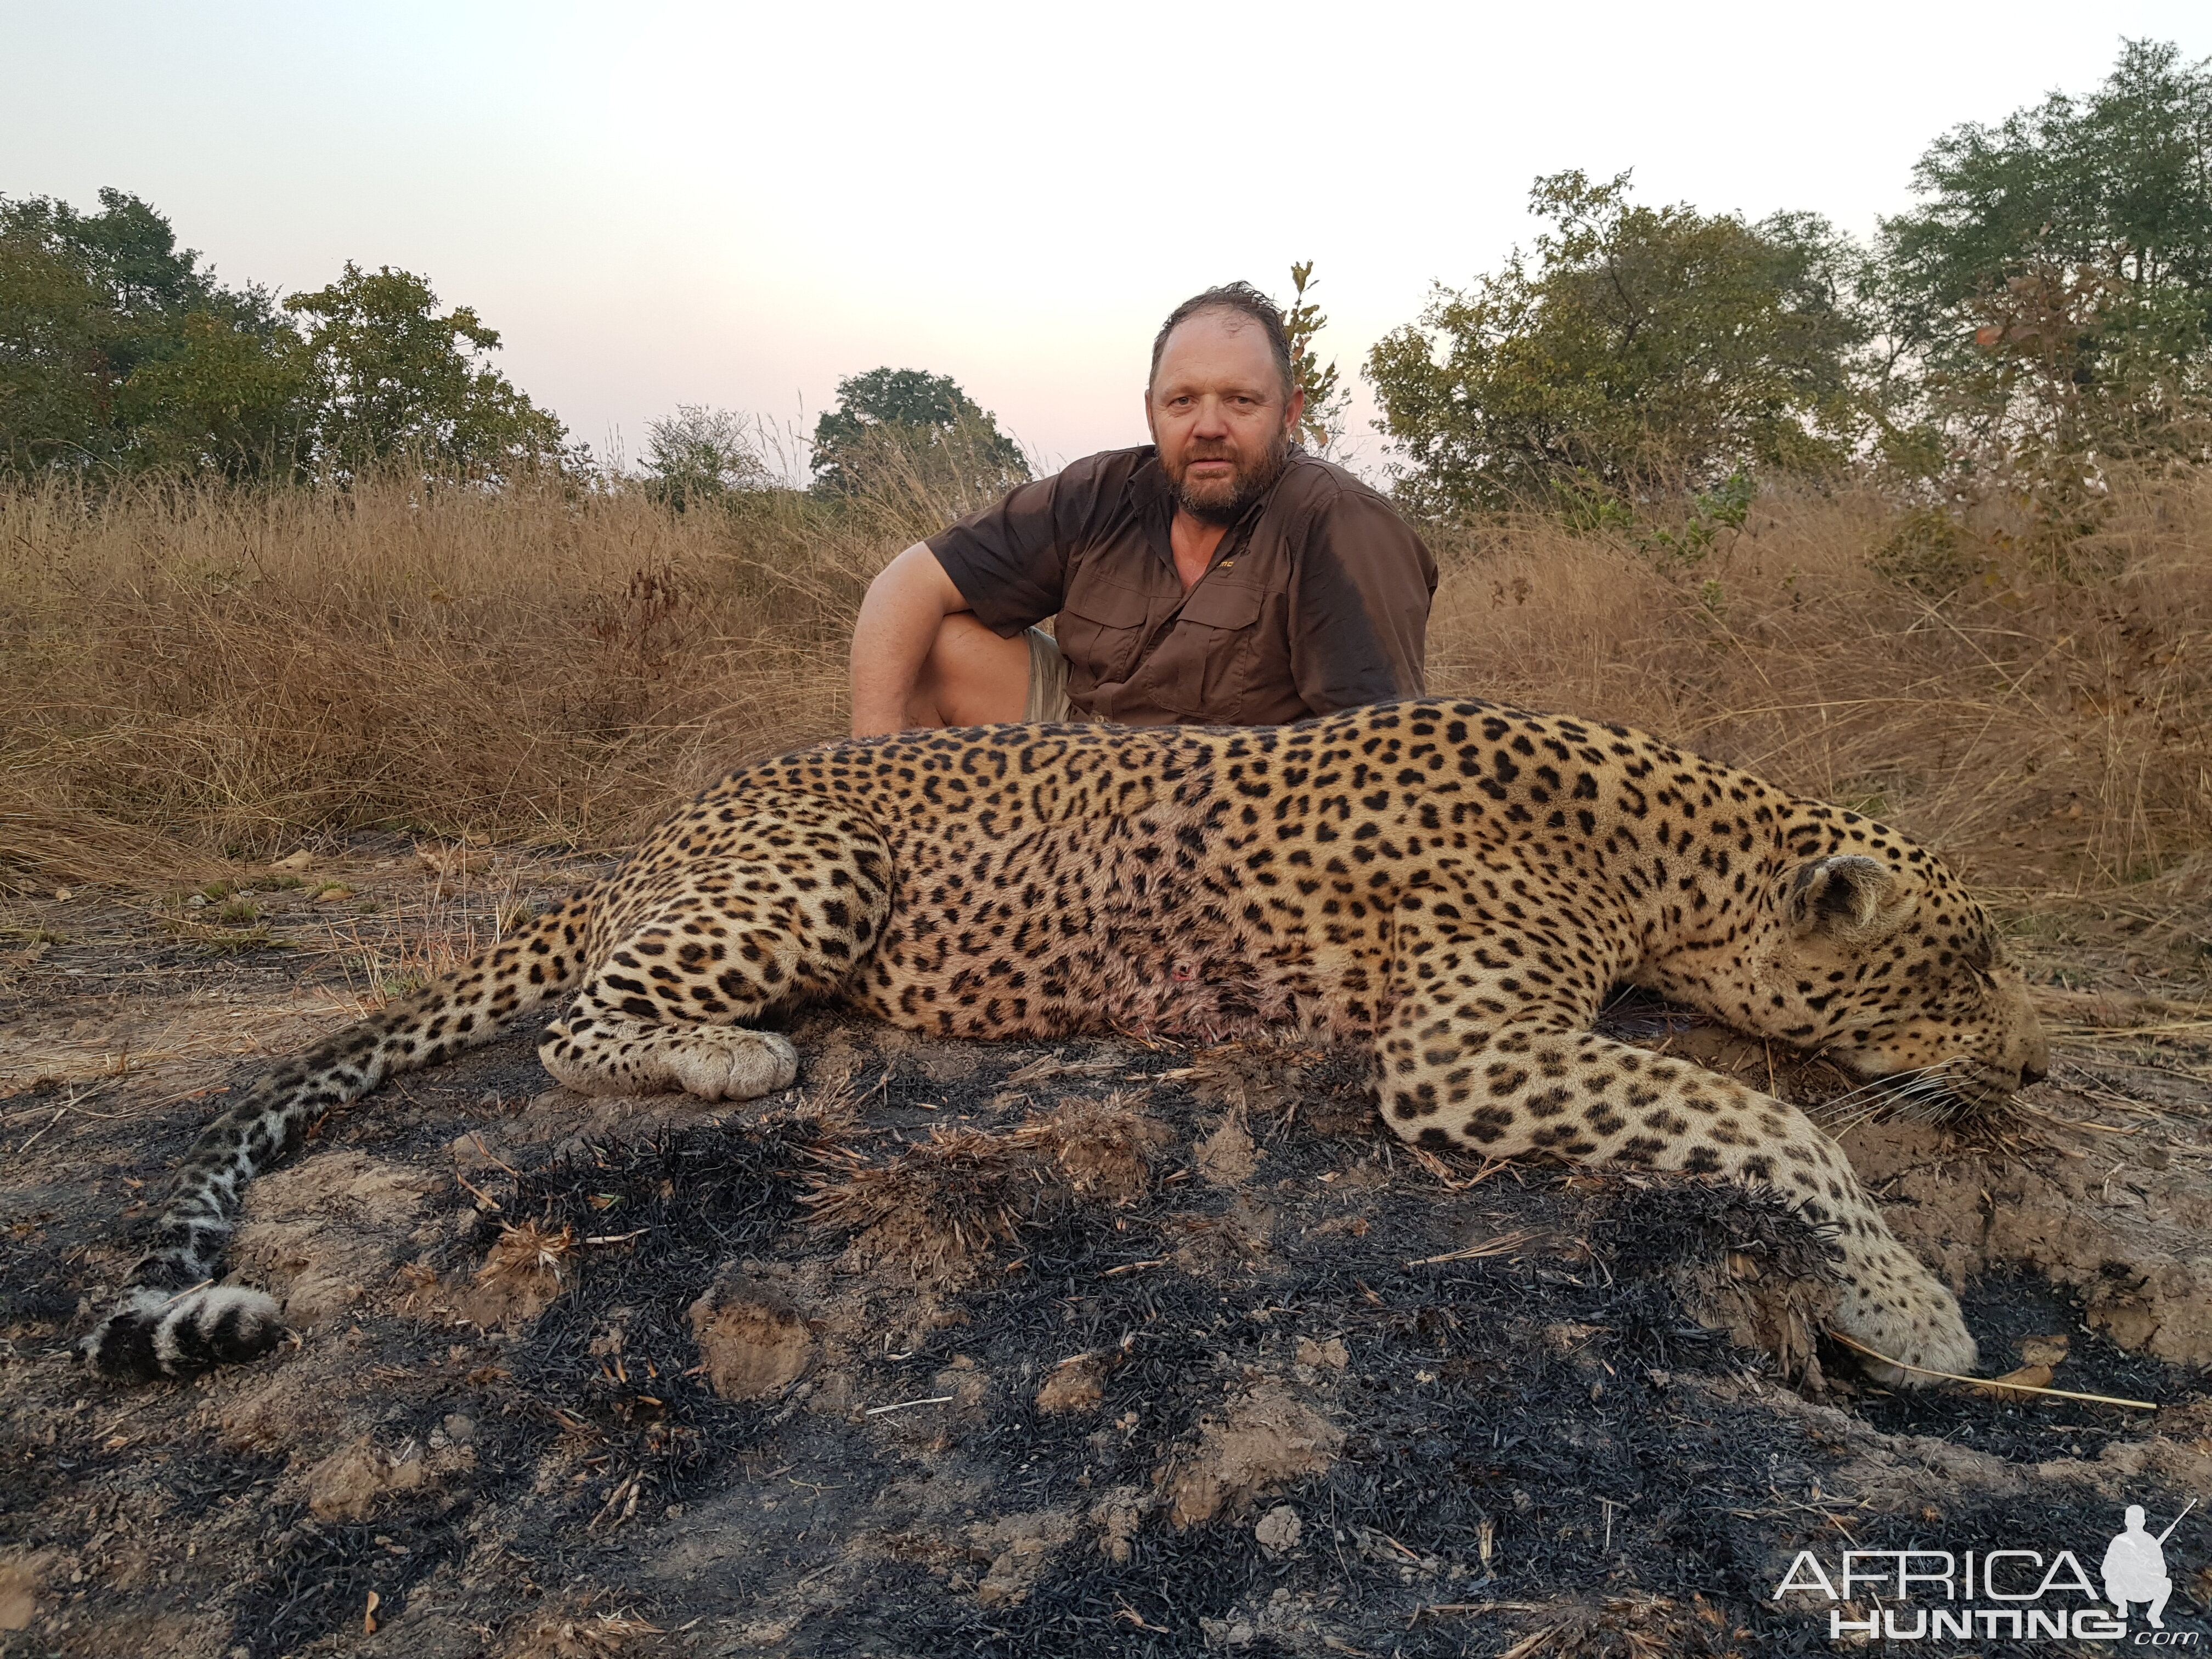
1102, 1349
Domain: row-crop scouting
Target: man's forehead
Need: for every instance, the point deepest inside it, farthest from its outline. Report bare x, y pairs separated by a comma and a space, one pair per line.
1216, 345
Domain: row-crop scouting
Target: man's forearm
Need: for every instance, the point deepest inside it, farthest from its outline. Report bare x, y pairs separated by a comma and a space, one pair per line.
905, 606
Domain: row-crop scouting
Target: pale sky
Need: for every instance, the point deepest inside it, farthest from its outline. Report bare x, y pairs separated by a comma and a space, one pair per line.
736, 204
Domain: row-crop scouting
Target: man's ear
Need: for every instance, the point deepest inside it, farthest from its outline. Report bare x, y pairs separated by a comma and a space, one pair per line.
1844, 894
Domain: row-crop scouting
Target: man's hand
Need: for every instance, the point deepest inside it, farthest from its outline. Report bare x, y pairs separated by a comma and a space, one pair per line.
900, 619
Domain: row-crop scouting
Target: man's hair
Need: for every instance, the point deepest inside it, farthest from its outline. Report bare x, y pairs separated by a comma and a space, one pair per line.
1244, 300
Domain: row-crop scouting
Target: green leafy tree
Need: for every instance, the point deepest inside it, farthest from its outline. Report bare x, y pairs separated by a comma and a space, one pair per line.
57, 332
905, 422
127, 249
221, 397
1639, 348
118, 349
395, 377
2121, 180
2055, 283
699, 456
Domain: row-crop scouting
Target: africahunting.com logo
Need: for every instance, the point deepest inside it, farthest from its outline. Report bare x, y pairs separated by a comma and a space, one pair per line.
2000, 1595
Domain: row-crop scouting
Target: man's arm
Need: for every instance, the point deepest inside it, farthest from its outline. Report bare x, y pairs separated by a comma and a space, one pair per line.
1005, 566
1360, 593
905, 604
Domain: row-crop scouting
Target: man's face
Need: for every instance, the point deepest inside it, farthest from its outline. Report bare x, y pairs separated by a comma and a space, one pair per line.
1218, 414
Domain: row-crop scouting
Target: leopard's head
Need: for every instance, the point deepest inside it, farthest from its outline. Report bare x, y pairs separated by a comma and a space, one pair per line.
1880, 962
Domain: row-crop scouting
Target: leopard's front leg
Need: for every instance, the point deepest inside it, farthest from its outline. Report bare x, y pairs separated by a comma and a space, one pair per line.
1477, 1056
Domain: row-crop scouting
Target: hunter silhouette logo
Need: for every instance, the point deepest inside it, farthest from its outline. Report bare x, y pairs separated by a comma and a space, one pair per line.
2010, 1594
2134, 1566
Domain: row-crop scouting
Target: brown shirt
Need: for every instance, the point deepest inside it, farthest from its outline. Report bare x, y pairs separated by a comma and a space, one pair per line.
1317, 598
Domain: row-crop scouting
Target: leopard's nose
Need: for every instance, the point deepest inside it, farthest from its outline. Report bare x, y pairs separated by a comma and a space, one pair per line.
2031, 1073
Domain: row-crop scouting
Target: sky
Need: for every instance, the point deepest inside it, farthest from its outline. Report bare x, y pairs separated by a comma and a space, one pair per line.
736, 205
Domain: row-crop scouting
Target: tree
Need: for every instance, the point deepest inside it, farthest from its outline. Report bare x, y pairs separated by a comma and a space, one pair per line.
1641, 348
56, 339
1321, 422
2055, 285
397, 378
2121, 180
116, 348
223, 398
700, 455
905, 420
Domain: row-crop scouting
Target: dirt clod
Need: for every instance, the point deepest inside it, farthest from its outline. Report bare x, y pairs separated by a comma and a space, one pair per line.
346, 1484
19, 1593
522, 1275
1226, 1157
1020, 1546
1330, 1353
753, 1343
1104, 1147
1266, 1438
1278, 1530
1074, 1385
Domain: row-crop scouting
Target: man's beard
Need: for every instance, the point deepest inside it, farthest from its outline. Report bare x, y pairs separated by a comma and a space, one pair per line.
1223, 501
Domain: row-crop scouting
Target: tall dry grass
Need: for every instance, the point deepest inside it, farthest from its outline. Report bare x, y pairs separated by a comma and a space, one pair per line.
198, 670
2045, 712
194, 672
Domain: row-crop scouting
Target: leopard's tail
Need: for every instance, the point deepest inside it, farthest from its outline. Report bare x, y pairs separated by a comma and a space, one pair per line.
171, 1320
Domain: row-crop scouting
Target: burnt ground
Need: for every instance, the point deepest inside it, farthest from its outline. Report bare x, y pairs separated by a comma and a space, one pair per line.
1082, 1348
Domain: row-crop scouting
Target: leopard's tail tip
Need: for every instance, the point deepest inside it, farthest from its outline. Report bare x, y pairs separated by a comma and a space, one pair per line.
154, 1335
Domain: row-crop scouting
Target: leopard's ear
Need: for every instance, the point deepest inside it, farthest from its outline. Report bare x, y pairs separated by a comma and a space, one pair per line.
1846, 896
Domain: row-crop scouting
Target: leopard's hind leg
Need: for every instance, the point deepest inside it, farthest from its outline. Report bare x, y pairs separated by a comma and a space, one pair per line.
762, 910
172, 1321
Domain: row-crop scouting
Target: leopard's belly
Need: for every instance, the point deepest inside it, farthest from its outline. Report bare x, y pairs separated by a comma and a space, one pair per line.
1121, 923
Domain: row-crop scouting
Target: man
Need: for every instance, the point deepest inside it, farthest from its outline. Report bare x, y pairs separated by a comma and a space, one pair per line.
1218, 577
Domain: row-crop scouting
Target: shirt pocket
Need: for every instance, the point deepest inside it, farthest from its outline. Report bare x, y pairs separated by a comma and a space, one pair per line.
1216, 638
1101, 626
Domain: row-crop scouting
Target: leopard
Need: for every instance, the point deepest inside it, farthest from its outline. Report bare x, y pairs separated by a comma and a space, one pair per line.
1459, 886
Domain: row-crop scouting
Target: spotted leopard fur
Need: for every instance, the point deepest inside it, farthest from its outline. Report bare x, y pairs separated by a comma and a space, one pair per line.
1458, 883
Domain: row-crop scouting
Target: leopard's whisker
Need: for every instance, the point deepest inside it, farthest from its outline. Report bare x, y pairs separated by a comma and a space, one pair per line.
1906, 1095
1881, 1088
1934, 1096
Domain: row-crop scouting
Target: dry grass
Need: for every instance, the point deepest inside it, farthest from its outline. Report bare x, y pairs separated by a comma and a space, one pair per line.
202, 670
2044, 718
939, 1206
196, 673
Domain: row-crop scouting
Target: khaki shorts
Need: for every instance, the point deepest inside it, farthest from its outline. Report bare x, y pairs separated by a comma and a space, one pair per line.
1047, 701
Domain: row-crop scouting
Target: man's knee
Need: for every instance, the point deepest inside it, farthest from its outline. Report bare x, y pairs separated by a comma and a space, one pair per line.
971, 676
960, 640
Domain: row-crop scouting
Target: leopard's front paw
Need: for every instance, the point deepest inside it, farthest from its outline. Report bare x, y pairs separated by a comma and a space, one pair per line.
1904, 1313
734, 1062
